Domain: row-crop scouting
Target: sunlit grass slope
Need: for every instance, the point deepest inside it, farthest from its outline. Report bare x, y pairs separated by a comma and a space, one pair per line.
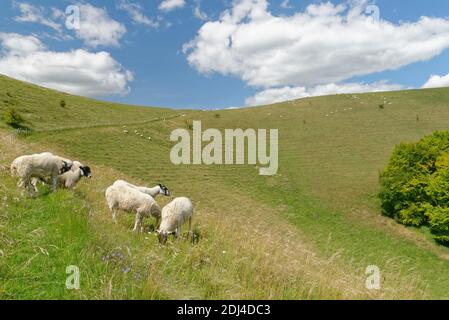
308, 232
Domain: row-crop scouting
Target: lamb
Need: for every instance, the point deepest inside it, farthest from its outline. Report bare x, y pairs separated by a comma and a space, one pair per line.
69, 179
174, 215
121, 197
154, 192
41, 166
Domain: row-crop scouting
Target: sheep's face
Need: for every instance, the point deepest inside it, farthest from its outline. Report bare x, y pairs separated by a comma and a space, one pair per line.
86, 171
162, 236
66, 166
164, 190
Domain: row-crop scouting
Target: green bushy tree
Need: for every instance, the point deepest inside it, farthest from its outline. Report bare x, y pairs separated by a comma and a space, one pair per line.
414, 187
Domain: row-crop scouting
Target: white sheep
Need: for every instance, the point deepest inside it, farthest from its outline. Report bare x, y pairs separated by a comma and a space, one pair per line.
132, 200
69, 179
154, 192
42, 166
174, 215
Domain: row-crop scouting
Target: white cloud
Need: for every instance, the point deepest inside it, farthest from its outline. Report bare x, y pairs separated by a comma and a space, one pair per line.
436, 81
135, 11
78, 71
324, 44
97, 28
168, 5
57, 13
291, 93
33, 14
198, 13
286, 4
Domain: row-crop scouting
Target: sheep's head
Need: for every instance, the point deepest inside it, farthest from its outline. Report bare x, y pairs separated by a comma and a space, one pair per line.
162, 236
164, 190
66, 166
86, 171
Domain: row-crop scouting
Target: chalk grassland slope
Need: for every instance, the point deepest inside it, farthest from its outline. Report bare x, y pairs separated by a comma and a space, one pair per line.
245, 251
308, 232
42, 110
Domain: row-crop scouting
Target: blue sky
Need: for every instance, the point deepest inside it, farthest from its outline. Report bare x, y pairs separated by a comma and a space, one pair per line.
191, 54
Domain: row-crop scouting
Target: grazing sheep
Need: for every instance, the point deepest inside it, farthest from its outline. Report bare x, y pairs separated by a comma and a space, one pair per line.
69, 179
174, 215
154, 192
42, 166
132, 200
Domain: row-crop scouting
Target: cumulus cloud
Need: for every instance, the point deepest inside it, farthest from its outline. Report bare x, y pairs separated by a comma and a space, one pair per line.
436, 81
78, 71
136, 13
325, 43
97, 28
290, 93
33, 14
169, 5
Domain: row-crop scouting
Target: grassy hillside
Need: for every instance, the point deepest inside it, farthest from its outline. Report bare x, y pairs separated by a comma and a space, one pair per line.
308, 232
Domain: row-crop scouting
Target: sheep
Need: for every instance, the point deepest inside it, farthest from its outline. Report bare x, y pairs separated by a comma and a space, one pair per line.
154, 192
69, 179
130, 200
41, 166
174, 215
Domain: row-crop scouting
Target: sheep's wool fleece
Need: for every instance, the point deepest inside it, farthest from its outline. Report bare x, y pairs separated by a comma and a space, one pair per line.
176, 213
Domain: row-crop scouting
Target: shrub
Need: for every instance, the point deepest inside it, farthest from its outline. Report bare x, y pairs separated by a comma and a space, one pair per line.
12, 117
439, 223
62, 103
414, 187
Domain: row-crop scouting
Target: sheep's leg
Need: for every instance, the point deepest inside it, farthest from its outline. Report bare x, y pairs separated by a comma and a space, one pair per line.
142, 225
28, 187
138, 221
114, 215
34, 184
54, 183
190, 228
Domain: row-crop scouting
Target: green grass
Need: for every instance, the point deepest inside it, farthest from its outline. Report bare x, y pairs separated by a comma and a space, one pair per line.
307, 233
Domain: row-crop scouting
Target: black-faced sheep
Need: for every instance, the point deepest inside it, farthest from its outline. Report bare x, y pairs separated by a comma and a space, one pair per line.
154, 192
132, 200
42, 166
69, 179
